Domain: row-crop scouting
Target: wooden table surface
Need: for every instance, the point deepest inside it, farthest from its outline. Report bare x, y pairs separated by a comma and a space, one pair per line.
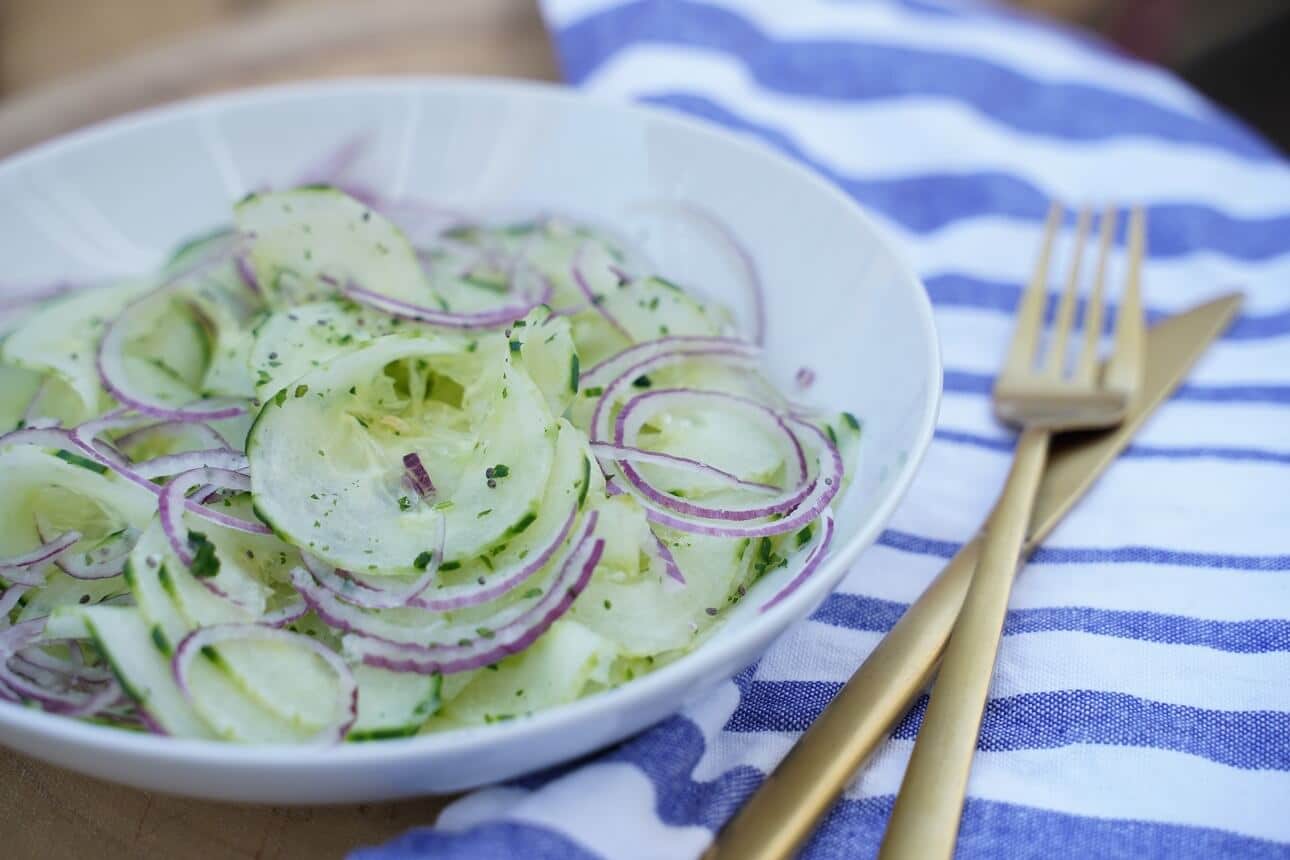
48, 55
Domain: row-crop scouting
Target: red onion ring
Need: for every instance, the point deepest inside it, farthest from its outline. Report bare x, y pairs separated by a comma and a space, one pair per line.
492, 318
283, 616
82, 438
173, 464
111, 351
606, 369
813, 560
508, 639
103, 562
369, 592
629, 422
350, 619
193, 644
669, 561
500, 582
599, 426
27, 568
596, 302
626, 453
171, 508
824, 486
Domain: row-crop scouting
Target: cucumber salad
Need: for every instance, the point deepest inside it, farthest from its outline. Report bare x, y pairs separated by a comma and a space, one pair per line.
329, 475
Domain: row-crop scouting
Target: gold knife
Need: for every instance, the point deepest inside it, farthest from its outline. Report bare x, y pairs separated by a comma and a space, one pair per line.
782, 813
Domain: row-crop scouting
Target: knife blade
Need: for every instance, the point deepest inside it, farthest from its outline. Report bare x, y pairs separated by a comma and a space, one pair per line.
782, 813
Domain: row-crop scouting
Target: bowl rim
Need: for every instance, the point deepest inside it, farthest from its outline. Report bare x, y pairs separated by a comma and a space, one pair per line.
688, 668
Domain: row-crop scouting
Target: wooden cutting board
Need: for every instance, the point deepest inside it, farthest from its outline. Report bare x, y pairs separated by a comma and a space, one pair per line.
48, 812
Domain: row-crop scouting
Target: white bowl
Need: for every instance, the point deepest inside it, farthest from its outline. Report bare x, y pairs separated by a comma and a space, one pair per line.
115, 198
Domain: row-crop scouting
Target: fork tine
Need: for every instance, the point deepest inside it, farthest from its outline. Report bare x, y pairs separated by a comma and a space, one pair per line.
1086, 368
1055, 363
1030, 314
1124, 368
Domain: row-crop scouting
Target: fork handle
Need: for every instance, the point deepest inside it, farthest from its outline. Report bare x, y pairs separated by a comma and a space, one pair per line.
925, 820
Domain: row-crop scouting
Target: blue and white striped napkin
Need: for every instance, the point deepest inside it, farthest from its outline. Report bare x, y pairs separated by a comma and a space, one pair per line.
1142, 701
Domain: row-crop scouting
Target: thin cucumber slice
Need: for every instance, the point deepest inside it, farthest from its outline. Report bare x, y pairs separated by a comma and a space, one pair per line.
18, 386
643, 611
328, 452
393, 704
291, 342
303, 234
125, 640
62, 339
230, 712
544, 346
555, 669
64, 496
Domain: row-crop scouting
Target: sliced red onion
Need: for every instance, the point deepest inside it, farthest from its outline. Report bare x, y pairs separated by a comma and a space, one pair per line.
817, 554
492, 318
669, 561
112, 375
637, 411
84, 438
173, 464
111, 356
824, 486
344, 616
805, 378
605, 370
284, 615
68, 702
736, 355
28, 568
41, 659
103, 562
247, 275
42, 437
597, 302
375, 592
484, 650
499, 582
743, 258
171, 507
173, 432
629, 454
205, 637
416, 475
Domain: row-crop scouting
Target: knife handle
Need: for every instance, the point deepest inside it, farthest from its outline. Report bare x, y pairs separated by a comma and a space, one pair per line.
784, 811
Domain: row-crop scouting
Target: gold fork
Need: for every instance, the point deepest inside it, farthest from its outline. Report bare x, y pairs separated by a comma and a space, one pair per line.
1043, 398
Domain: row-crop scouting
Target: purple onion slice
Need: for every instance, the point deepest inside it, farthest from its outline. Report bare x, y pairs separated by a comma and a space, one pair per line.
488, 646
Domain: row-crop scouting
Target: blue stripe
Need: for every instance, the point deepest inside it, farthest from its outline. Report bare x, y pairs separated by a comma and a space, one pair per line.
494, 840
1250, 740
961, 291
865, 70
918, 545
853, 831
971, 382
1259, 636
669, 753
926, 203
1142, 452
